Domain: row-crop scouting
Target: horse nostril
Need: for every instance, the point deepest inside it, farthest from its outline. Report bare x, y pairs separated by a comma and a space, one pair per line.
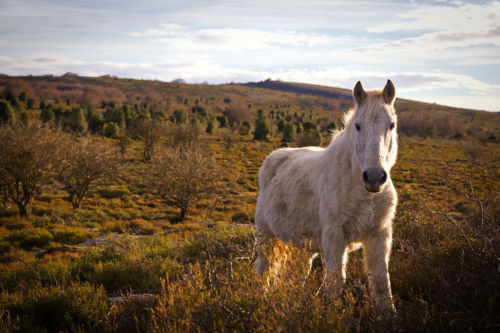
365, 177
384, 177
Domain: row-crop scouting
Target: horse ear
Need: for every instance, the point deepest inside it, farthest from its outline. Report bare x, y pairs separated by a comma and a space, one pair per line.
359, 93
389, 92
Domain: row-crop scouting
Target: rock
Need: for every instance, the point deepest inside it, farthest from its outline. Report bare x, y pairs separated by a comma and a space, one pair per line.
133, 297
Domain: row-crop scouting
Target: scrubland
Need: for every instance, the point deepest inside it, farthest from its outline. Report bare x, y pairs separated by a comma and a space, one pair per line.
62, 265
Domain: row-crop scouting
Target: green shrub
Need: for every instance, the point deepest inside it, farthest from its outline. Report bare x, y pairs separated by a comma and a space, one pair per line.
77, 307
310, 137
31, 238
113, 193
16, 223
71, 235
262, 129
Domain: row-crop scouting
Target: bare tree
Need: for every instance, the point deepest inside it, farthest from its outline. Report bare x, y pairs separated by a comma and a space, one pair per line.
28, 153
150, 132
182, 175
87, 160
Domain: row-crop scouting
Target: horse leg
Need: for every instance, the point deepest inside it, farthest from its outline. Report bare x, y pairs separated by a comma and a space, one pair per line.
261, 247
376, 251
334, 250
262, 244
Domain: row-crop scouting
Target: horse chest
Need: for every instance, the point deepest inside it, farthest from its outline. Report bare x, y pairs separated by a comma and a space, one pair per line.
358, 217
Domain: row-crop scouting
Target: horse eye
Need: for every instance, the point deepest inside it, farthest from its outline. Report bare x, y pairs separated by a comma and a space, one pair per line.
392, 125
357, 127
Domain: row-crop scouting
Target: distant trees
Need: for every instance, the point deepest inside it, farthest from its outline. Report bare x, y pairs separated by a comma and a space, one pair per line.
85, 161
28, 154
182, 175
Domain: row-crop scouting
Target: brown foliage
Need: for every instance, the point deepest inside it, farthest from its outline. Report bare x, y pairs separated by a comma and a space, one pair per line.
149, 132
28, 152
237, 112
426, 123
182, 175
87, 160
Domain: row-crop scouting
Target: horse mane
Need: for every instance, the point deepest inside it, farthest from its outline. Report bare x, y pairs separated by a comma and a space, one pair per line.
373, 99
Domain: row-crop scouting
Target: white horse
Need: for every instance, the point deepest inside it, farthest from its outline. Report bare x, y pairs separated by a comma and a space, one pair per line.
340, 197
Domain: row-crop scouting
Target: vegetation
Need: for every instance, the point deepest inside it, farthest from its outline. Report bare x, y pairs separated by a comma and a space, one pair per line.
85, 161
123, 262
182, 175
27, 155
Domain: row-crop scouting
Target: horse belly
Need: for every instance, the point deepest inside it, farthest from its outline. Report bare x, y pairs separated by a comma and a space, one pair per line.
293, 214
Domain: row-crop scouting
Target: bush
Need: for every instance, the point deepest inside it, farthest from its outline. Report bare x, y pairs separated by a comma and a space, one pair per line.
111, 130
262, 129
31, 238
309, 138
113, 193
245, 128
180, 116
77, 307
288, 132
71, 235
7, 113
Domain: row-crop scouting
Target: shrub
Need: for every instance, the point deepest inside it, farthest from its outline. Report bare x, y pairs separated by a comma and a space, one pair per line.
262, 129
288, 132
180, 116
77, 307
111, 130
183, 175
7, 113
245, 128
309, 138
71, 235
87, 161
113, 192
31, 238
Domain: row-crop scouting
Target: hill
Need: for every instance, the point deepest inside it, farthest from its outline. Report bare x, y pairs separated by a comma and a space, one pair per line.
325, 104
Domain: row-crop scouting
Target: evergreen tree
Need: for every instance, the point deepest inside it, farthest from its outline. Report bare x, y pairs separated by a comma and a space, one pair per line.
47, 115
7, 113
262, 129
77, 121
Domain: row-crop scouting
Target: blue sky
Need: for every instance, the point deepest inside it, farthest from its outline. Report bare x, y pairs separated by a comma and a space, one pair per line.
436, 51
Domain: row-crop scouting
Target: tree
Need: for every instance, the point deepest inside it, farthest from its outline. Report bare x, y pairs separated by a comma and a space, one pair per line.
289, 131
7, 113
30, 103
180, 116
16, 104
86, 161
47, 115
309, 137
149, 132
77, 121
262, 129
182, 175
28, 154
96, 122
245, 128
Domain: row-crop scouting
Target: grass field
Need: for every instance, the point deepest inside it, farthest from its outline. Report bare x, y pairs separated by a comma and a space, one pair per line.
61, 267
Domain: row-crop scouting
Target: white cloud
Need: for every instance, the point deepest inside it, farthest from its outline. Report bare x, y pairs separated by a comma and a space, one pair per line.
176, 37
462, 17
